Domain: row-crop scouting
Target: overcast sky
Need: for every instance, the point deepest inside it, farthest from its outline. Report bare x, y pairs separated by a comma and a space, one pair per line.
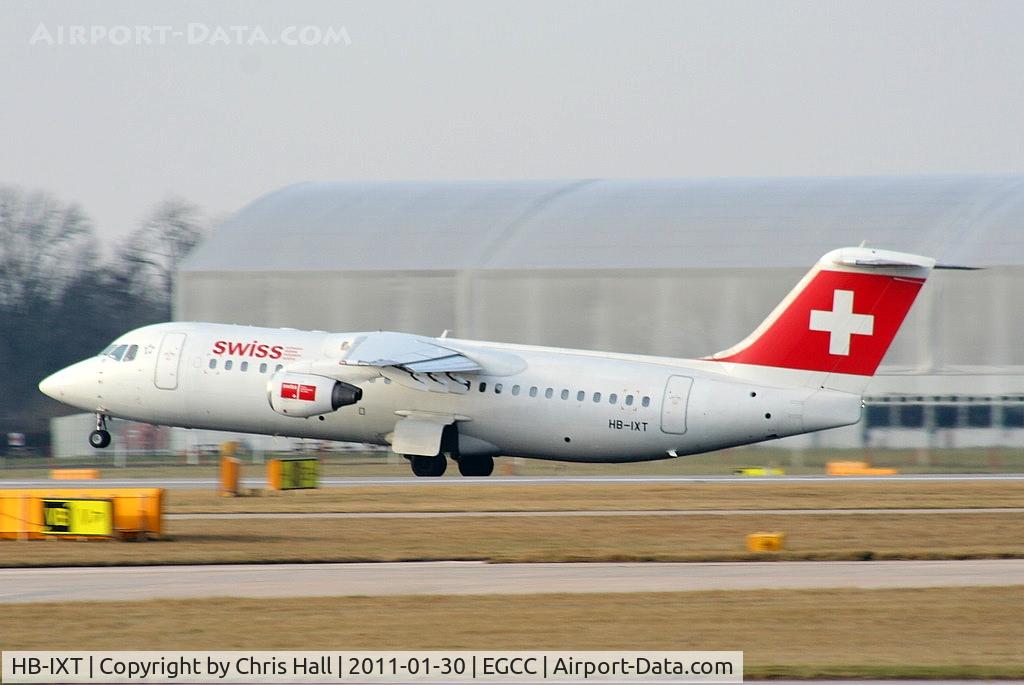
505, 90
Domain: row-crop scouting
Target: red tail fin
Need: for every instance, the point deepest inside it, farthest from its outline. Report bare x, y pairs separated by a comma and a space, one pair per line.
841, 317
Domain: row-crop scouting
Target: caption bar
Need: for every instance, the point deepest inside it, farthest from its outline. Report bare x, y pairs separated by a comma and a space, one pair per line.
372, 667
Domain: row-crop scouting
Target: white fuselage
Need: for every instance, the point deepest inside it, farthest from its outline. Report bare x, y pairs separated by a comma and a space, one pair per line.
569, 405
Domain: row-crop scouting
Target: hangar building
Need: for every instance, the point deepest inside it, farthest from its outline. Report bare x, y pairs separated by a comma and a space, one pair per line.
667, 267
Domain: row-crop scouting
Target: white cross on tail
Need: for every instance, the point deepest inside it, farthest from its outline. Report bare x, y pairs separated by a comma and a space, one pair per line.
841, 322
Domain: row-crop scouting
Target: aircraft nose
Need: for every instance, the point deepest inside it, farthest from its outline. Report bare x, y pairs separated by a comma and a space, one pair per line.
68, 384
56, 384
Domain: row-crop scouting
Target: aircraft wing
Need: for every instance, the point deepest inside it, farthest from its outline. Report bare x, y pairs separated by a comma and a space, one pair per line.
409, 360
431, 364
407, 352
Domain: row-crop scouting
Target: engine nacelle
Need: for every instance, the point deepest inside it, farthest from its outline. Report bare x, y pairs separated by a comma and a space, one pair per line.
303, 395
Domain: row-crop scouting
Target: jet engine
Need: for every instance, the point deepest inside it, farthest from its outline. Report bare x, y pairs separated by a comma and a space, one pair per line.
303, 395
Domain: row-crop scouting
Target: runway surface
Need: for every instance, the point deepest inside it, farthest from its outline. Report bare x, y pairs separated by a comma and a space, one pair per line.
472, 578
585, 512
194, 483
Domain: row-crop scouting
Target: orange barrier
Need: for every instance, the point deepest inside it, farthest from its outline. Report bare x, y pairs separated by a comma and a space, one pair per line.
856, 468
765, 542
136, 511
74, 474
758, 471
230, 476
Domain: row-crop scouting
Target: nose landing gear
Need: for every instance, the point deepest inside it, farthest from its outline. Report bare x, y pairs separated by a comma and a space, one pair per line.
100, 437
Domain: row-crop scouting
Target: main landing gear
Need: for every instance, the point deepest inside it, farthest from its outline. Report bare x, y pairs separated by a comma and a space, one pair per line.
476, 466
430, 467
100, 437
434, 467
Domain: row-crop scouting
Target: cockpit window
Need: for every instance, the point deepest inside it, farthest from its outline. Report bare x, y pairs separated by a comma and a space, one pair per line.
117, 352
121, 353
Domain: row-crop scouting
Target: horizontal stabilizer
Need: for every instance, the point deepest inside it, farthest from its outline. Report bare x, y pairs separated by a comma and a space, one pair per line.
957, 267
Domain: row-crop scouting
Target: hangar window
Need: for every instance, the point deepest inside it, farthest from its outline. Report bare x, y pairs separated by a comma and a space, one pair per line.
244, 366
483, 387
580, 396
497, 388
646, 401
597, 397
979, 416
515, 389
565, 394
263, 367
1013, 417
130, 354
629, 400
912, 416
549, 393
533, 391
228, 364
613, 398
213, 363
946, 416
877, 416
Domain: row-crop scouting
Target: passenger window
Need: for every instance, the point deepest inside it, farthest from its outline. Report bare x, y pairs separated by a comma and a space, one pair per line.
118, 352
646, 401
549, 393
497, 388
483, 387
533, 391
281, 366
597, 397
565, 394
228, 364
263, 367
515, 389
244, 366
613, 399
213, 363
629, 400
130, 354
580, 395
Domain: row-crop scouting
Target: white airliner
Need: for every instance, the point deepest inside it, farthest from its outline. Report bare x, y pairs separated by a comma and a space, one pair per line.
803, 369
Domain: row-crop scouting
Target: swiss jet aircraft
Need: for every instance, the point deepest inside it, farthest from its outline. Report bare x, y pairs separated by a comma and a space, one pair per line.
432, 399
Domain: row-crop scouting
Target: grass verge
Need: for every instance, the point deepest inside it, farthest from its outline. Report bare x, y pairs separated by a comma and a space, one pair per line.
942, 632
838, 494
544, 539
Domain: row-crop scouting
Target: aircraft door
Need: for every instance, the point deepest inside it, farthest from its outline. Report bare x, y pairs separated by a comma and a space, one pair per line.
168, 361
673, 404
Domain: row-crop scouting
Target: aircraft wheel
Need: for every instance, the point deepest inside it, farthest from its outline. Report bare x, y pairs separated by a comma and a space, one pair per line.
476, 466
430, 467
99, 439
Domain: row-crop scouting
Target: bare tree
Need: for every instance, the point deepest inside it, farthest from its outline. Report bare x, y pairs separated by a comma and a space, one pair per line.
152, 252
59, 303
47, 248
44, 246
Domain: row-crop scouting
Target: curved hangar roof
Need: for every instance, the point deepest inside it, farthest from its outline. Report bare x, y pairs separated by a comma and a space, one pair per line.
611, 224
